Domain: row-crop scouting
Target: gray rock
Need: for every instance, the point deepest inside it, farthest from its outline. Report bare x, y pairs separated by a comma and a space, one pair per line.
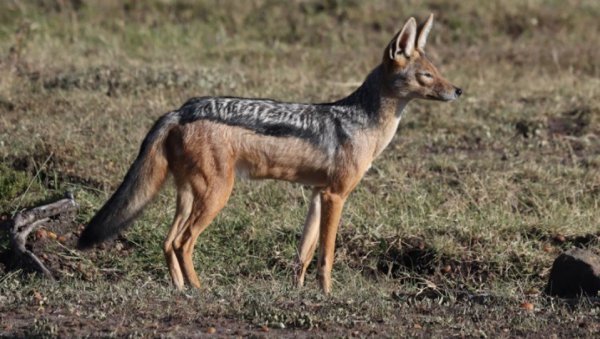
574, 273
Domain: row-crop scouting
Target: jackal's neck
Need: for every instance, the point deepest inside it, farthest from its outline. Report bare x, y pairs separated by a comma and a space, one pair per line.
370, 99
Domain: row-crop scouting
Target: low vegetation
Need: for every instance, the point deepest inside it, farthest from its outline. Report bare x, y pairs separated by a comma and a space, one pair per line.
451, 233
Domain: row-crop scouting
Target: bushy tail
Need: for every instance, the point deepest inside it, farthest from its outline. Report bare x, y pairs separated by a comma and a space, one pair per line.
142, 182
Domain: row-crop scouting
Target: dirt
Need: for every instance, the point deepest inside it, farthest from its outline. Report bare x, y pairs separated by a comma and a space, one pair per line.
415, 317
434, 311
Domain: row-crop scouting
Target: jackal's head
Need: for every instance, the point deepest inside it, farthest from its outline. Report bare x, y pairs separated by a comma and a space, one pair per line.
408, 72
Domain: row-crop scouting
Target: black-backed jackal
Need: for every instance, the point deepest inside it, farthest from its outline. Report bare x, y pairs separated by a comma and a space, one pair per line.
327, 146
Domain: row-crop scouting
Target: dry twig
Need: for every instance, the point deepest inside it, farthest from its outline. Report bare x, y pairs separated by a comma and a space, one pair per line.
29, 220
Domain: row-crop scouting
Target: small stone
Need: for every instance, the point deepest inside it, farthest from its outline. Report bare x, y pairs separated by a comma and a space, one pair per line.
264, 328
527, 306
211, 330
41, 234
574, 273
560, 238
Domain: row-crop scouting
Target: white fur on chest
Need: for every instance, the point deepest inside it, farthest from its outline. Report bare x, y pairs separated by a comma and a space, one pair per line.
386, 136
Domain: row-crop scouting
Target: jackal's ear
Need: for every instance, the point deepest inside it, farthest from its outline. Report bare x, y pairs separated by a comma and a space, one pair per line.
424, 33
404, 41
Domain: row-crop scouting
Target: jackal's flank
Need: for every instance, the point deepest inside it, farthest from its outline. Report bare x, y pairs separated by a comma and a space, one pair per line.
327, 146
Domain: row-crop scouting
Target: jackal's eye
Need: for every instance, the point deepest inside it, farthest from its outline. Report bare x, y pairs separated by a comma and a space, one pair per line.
425, 78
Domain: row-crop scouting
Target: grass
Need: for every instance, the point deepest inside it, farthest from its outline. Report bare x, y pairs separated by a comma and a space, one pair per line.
483, 186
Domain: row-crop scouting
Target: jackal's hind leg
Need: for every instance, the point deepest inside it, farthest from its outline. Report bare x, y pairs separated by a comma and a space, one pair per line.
184, 207
208, 202
310, 235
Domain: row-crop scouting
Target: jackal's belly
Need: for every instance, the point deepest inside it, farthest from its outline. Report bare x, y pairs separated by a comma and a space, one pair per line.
304, 176
290, 159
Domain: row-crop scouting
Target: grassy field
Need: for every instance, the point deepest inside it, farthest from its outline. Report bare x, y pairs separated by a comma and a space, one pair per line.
453, 228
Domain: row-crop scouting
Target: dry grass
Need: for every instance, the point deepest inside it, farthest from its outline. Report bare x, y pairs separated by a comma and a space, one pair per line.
482, 185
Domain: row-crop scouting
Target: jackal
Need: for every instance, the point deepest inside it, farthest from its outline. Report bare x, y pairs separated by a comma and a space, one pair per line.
327, 146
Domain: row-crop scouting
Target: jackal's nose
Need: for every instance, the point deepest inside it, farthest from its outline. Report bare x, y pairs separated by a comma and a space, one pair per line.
458, 92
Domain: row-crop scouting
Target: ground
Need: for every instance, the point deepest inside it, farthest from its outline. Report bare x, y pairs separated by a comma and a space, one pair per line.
451, 233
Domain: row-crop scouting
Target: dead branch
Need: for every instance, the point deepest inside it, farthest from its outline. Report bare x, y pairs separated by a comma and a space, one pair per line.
29, 220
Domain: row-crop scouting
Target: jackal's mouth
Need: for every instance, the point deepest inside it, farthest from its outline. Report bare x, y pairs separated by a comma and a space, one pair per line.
445, 97
437, 98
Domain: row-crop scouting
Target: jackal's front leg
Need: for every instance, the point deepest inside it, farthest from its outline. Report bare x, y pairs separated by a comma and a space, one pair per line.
308, 243
331, 205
